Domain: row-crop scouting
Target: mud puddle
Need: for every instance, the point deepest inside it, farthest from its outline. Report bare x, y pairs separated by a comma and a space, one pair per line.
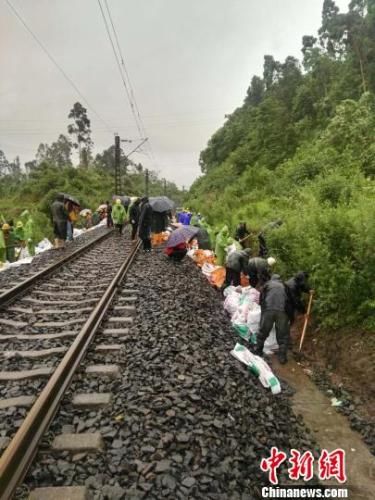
330, 429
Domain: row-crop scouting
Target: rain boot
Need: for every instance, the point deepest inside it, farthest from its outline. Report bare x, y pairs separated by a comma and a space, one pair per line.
282, 357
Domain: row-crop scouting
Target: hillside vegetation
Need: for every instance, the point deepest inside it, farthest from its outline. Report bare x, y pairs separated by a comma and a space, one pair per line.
301, 148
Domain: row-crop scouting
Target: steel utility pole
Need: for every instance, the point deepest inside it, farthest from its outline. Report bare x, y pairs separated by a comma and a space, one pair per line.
146, 181
117, 165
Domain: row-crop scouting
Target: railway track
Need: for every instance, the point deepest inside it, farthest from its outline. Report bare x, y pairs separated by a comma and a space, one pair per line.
47, 325
9, 289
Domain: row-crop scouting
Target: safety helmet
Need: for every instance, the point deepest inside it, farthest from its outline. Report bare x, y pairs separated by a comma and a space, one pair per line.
118, 201
271, 261
19, 224
5, 227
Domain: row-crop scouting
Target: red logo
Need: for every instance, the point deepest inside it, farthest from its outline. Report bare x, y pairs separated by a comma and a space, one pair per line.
331, 465
272, 463
302, 465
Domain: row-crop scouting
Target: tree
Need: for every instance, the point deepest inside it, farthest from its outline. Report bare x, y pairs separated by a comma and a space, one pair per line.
255, 92
332, 30
58, 153
271, 69
14, 167
4, 164
82, 132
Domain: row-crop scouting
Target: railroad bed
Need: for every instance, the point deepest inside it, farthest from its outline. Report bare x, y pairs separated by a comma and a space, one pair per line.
172, 414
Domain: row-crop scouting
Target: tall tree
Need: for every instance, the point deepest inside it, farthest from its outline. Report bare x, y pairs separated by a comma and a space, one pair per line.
255, 92
4, 164
82, 132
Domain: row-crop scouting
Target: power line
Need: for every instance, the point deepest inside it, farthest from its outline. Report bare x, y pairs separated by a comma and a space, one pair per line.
118, 65
53, 60
124, 74
133, 103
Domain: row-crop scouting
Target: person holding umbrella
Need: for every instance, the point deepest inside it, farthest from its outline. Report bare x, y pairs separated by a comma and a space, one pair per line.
144, 225
176, 247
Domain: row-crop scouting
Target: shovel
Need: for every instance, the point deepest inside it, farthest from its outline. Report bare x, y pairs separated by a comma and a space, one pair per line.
307, 317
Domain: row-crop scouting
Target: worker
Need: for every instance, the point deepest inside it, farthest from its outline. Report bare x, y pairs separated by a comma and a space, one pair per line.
263, 249
19, 233
222, 241
274, 302
118, 215
134, 213
237, 263
178, 252
242, 235
109, 214
59, 221
3, 248
260, 270
144, 225
211, 233
29, 227
10, 242
297, 286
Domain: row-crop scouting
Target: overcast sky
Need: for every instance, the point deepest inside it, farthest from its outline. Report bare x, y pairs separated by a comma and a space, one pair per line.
190, 62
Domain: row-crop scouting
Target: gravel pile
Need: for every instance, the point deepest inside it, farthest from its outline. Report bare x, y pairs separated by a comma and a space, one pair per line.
187, 420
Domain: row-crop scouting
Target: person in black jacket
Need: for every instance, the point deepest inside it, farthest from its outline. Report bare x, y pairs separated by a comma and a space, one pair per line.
134, 213
274, 302
109, 215
237, 262
144, 225
297, 286
59, 221
259, 270
242, 235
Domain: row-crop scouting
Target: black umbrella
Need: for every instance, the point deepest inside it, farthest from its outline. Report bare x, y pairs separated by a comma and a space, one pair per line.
68, 197
161, 204
125, 200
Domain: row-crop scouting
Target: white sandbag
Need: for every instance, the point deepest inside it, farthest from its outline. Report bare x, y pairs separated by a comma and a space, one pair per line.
252, 293
258, 366
271, 344
77, 232
24, 254
43, 246
229, 290
208, 269
17, 263
231, 303
253, 319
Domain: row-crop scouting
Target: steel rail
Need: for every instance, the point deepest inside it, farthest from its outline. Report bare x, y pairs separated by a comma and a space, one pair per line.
14, 292
18, 456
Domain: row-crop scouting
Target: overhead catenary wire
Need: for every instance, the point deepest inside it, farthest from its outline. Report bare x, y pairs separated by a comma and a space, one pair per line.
119, 57
54, 61
133, 103
119, 65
